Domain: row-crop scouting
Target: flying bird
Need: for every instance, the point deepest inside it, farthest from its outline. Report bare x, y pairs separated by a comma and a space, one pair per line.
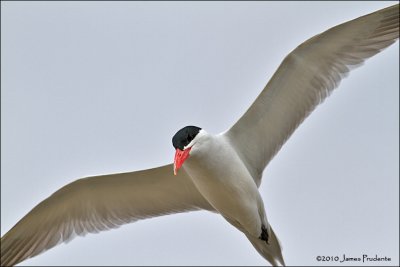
219, 173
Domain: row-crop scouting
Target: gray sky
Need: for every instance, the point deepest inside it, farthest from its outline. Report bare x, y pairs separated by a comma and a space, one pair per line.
101, 87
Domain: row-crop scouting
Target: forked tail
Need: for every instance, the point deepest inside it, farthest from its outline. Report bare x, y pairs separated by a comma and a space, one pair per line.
271, 251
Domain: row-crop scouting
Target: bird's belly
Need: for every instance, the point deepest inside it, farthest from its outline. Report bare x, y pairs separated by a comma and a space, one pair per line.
232, 193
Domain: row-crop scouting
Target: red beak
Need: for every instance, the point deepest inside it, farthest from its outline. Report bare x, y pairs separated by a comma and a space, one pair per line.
180, 157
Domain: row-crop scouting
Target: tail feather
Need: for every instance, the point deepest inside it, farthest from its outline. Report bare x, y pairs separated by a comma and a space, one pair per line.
271, 251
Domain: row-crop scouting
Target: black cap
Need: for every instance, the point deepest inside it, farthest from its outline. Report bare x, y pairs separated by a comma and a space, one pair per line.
184, 136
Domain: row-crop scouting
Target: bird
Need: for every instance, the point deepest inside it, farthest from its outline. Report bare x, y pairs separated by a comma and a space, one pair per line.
218, 173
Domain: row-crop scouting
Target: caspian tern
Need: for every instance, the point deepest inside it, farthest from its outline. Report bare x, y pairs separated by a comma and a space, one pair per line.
220, 173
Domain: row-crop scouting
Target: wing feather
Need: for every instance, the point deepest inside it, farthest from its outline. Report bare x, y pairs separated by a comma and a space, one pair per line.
303, 80
95, 204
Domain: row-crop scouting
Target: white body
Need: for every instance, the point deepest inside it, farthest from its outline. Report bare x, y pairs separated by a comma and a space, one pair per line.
223, 179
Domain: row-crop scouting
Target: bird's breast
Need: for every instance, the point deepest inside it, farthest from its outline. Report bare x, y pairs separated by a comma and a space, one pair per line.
222, 178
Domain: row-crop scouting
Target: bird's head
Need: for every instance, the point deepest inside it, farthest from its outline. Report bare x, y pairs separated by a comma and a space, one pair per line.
183, 141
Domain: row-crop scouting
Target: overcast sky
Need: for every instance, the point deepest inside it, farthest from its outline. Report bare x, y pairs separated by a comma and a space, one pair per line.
93, 88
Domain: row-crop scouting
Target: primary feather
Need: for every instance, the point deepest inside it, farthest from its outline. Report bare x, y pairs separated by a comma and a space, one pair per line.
304, 79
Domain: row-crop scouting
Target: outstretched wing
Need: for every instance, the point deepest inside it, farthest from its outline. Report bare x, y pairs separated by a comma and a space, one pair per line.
94, 204
303, 80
